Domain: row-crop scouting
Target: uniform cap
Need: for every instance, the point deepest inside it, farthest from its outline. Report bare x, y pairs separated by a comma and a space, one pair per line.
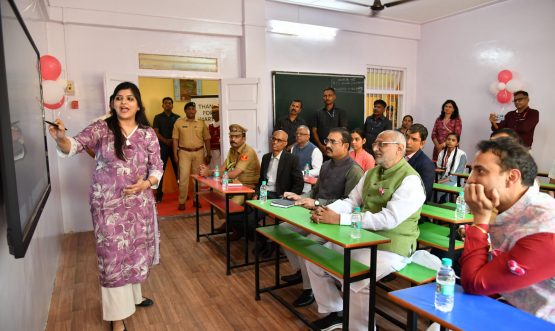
236, 129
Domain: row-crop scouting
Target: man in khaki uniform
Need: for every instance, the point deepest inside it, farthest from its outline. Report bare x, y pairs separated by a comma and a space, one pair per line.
241, 162
191, 142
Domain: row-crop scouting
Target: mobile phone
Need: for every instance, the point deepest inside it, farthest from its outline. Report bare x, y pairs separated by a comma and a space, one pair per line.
52, 123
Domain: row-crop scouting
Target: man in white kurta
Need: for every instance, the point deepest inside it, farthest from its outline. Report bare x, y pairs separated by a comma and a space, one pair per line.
391, 196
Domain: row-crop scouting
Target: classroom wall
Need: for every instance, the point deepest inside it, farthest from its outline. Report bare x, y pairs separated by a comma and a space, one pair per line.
26, 284
459, 57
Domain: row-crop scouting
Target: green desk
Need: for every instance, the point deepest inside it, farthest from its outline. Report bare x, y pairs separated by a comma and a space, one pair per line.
445, 188
339, 235
547, 187
448, 216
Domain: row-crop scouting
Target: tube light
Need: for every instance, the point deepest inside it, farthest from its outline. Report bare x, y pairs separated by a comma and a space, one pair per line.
301, 30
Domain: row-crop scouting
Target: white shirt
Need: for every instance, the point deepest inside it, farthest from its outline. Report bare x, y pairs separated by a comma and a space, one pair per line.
405, 201
272, 172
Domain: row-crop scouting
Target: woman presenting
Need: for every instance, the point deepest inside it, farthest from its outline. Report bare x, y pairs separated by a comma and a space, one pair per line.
447, 122
128, 166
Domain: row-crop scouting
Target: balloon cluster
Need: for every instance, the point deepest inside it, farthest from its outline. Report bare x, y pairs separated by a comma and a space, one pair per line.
505, 86
53, 87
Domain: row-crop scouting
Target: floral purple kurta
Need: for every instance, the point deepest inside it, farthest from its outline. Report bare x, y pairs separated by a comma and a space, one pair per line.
125, 227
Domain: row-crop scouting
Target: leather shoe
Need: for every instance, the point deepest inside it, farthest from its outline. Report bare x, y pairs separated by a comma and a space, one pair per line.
306, 298
112, 325
295, 278
145, 303
181, 206
220, 229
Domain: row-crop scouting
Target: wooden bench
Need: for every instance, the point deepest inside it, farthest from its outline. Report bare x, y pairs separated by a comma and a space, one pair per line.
218, 201
435, 235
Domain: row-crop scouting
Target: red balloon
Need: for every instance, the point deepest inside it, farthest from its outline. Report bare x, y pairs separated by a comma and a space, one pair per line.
50, 67
504, 76
55, 105
504, 96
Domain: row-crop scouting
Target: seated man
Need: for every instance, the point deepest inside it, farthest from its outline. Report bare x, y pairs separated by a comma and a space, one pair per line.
338, 176
391, 197
522, 231
416, 139
307, 153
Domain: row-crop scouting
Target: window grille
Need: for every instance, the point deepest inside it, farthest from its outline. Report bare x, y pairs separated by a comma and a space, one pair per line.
386, 84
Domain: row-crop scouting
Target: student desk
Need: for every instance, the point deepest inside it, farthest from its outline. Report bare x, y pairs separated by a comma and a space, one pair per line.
547, 187
221, 201
445, 188
470, 312
339, 235
435, 239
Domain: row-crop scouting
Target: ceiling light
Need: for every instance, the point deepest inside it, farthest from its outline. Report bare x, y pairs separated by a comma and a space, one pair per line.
301, 30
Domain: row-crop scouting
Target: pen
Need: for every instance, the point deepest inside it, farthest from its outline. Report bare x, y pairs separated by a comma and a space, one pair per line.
52, 123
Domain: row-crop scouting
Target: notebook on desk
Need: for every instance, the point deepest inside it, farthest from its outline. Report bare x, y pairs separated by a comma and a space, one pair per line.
283, 203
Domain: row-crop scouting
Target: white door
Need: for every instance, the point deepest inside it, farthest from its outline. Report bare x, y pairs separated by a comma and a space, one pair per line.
240, 104
111, 80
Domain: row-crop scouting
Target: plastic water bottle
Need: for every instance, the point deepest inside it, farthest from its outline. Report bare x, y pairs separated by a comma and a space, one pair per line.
306, 171
460, 210
225, 180
356, 223
263, 197
445, 287
216, 172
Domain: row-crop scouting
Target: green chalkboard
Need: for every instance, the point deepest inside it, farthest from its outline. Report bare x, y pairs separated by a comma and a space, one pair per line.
309, 88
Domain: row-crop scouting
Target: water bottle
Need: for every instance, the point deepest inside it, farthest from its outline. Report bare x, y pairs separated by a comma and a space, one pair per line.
225, 180
263, 196
460, 210
216, 172
306, 171
445, 287
356, 223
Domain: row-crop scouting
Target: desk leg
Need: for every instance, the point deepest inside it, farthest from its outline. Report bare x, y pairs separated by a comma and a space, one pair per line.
346, 286
197, 216
276, 250
459, 181
227, 242
246, 229
256, 267
452, 237
412, 320
372, 294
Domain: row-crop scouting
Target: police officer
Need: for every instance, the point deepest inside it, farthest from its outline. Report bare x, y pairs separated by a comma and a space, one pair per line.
191, 147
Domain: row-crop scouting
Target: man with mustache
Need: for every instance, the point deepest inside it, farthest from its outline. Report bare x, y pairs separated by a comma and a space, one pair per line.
390, 196
337, 178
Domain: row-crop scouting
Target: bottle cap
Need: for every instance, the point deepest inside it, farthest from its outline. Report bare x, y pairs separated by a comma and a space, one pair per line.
461, 193
446, 262
225, 172
217, 167
357, 209
263, 182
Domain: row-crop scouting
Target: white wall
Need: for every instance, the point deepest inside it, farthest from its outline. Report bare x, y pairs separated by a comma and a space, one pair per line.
460, 56
26, 284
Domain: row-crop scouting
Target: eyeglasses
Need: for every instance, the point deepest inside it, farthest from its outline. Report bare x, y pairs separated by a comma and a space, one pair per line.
382, 144
332, 141
519, 99
278, 140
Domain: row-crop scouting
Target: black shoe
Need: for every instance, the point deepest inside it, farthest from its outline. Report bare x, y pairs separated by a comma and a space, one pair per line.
306, 298
145, 303
331, 322
295, 278
112, 325
268, 252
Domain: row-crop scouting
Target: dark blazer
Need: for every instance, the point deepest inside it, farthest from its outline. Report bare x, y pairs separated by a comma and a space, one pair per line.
289, 177
426, 169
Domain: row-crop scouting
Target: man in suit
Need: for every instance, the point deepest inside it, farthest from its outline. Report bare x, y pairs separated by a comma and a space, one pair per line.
280, 171
416, 139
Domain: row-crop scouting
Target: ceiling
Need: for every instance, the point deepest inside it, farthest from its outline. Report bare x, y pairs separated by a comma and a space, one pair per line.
417, 11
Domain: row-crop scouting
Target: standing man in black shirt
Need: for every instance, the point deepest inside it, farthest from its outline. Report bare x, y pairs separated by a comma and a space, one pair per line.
291, 122
327, 118
376, 124
163, 126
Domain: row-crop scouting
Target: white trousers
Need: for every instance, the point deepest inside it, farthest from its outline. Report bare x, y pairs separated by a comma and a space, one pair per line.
297, 262
119, 302
329, 298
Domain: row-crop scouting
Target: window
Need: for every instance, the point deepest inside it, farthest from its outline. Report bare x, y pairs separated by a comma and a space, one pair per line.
181, 63
386, 84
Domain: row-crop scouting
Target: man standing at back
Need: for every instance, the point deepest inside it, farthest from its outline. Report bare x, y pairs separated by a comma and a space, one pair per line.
512, 253
327, 118
307, 153
416, 138
390, 196
523, 119
214, 130
190, 142
163, 126
291, 122
375, 124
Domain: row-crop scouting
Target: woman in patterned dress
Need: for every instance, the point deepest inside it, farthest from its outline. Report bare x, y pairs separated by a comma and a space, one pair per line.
447, 122
128, 166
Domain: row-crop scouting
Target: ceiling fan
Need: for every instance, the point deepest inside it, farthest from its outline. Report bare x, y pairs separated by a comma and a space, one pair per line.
377, 6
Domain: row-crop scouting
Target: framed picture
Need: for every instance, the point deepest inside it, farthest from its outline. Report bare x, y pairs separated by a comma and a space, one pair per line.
185, 89
24, 172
